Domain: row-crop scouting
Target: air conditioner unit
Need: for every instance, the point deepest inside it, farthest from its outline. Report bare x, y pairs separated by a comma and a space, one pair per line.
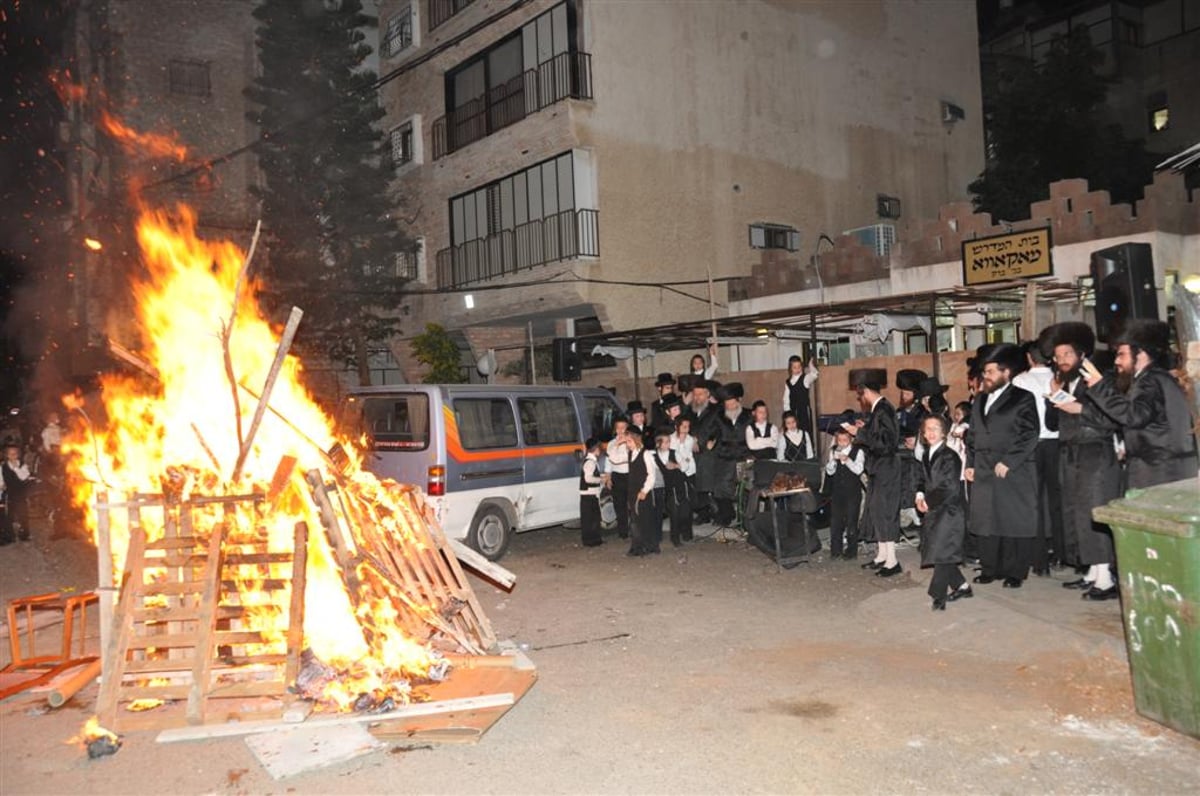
877, 237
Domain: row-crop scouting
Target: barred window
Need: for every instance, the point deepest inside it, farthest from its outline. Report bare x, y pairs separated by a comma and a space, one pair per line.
188, 78
398, 36
402, 144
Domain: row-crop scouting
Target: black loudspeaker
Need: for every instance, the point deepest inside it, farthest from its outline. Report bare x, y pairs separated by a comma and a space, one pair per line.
565, 361
1123, 278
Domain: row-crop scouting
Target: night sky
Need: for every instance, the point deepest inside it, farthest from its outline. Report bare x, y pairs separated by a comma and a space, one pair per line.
32, 181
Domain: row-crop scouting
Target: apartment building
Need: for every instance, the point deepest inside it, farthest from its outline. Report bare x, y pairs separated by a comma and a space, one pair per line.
596, 153
1150, 51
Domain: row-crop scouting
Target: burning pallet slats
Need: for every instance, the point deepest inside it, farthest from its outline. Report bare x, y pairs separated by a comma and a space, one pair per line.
181, 632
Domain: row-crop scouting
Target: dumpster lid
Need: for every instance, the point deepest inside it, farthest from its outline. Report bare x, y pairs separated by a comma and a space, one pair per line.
1171, 509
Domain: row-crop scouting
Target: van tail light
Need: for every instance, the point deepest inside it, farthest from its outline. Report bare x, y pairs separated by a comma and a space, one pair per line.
436, 485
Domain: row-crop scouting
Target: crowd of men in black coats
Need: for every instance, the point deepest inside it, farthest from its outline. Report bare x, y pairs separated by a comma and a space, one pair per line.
1008, 479
1053, 431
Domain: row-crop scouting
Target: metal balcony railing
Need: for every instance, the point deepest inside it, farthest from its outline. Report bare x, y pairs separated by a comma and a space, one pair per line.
565, 76
442, 10
566, 235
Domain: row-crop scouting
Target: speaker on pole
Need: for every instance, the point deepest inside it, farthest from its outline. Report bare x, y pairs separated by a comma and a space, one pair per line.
1123, 278
565, 364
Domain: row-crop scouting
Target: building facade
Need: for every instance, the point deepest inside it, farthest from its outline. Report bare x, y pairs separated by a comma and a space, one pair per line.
570, 162
178, 72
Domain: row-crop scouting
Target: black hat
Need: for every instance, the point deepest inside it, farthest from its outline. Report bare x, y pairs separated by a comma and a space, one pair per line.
664, 378
833, 424
1073, 333
931, 387
975, 363
686, 382
1153, 337
910, 379
870, 378
1008, 356
671, 400
634, 406
730, 391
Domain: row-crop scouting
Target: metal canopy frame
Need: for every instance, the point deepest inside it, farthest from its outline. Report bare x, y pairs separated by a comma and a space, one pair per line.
840, 318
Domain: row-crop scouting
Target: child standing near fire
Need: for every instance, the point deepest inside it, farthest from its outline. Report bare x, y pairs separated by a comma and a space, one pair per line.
940, 497
844, 486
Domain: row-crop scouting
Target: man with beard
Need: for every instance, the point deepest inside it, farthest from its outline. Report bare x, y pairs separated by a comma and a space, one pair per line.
1091, 474
1153, 412
910, 412
1050, 523
731, 448
703, 414
879, 437
1002, 470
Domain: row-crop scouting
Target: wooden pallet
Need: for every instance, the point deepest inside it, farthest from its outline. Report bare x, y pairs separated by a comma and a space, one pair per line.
183, 635
406, 559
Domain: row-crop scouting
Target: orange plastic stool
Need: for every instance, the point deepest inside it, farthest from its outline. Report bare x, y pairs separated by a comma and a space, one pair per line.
69, 604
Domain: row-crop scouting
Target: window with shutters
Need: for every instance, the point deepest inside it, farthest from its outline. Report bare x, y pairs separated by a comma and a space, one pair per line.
398, 34
774, 236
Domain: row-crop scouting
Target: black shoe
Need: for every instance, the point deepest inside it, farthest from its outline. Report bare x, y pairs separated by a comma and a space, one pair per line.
636, 553
873, 565
596, 543
1013, 583
887, 572
961, 593
982, 579
1077, 584
1093, 593
939, 604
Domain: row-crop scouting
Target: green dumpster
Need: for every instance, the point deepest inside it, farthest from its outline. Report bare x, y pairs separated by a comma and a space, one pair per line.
1157, 535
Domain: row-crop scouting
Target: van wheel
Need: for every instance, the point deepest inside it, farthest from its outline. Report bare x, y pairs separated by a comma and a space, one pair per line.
490, 533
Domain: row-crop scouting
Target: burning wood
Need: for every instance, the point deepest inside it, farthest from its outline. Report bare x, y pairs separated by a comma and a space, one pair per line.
223, 585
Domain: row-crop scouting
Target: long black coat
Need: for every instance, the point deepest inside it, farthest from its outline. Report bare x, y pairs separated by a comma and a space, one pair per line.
1008, 433
1154, 416
945, 524
1090, 475
704, 428
731, 448
879, 438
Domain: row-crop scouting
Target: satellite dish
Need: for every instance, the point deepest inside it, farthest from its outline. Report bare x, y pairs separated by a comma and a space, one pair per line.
486, 364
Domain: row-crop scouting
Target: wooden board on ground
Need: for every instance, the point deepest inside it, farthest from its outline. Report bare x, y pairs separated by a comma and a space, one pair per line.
307, 748
476, 677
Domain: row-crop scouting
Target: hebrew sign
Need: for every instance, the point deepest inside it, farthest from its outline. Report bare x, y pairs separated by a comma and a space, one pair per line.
1002, 258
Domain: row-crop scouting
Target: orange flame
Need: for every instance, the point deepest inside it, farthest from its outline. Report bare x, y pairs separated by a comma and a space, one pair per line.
184, 425
152, 144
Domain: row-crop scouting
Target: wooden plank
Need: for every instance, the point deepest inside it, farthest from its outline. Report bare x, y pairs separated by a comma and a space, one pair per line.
502, 577
115, 655
296, 606
465, 726
304, 748
417, 709
281, 478
169, 668
206, 627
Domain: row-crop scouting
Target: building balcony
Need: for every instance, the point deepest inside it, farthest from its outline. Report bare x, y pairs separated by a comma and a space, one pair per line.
566, 76
563, 236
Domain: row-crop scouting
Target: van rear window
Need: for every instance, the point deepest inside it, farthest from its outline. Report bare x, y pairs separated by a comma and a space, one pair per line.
397, 422
485, 423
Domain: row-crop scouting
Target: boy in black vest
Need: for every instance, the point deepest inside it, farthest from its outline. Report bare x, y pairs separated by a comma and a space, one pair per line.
589, 495
843, 484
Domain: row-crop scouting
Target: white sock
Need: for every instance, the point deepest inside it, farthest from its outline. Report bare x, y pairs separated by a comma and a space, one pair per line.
1094, 572
1104, 578
889, 551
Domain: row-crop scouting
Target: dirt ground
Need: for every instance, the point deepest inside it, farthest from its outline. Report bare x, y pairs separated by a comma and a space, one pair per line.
704, 670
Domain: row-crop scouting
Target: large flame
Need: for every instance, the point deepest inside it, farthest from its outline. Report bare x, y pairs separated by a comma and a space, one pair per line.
183, 421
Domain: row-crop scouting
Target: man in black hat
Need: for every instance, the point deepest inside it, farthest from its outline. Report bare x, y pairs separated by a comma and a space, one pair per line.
796, 390
1001, 469
1036, 379
1159, 444
910, 412
1091, 473
879, 437
732, 422
665, 384
703, 413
